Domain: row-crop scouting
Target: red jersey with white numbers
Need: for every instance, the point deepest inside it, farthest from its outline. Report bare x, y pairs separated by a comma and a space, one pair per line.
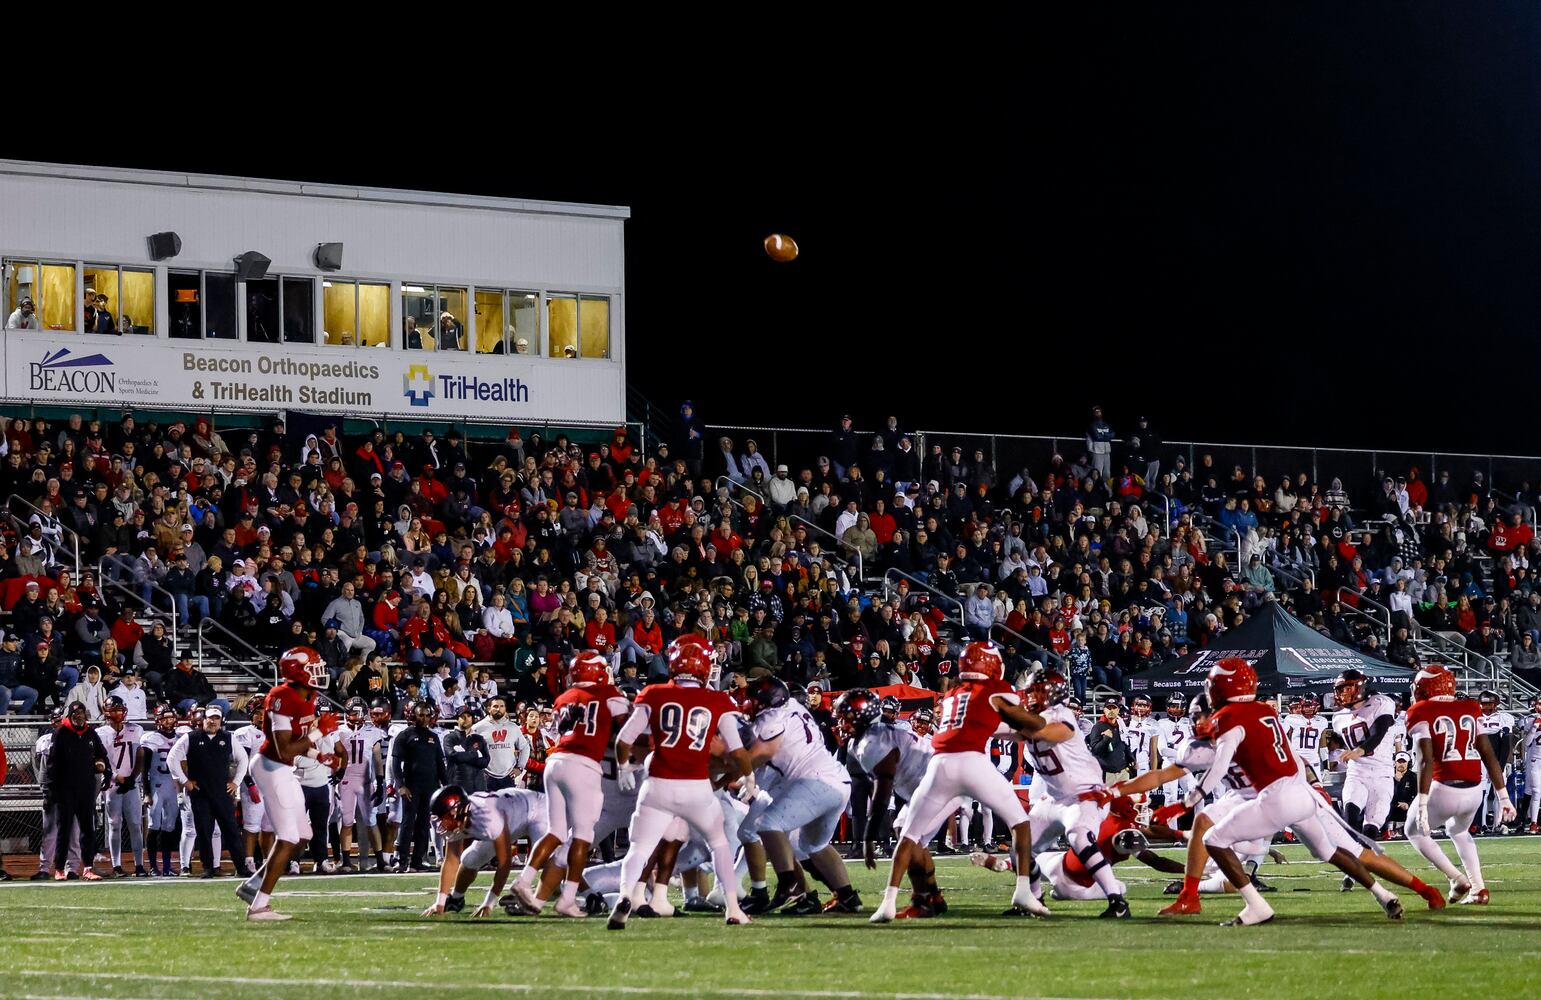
681, 719
584, 716
1453, 727
1264, 754
291, 709
966, 720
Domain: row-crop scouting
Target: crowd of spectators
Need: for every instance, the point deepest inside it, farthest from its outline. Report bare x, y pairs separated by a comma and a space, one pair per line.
432, 566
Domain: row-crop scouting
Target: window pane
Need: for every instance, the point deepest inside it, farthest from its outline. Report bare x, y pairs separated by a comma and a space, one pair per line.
374, 315
489, 322
262, 311
524, 324
338, 316
594, 312
101, 290
299, 310
136, 313
562, 326
219, 305
186, 316
417, 316
450, 331
55, 296
21, 284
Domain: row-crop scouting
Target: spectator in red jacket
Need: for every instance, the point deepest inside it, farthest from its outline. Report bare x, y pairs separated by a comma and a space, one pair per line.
882, 522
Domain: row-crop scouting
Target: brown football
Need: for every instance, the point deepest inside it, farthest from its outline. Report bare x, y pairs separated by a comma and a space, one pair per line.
781, 249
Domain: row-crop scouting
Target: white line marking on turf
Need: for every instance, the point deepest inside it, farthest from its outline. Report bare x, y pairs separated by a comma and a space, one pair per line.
671, 990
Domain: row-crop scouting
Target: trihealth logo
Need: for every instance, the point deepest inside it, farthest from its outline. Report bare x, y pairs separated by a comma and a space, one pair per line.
417, 385
59, 372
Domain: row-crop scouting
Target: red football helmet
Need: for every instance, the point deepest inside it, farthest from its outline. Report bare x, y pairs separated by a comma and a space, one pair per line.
303, 665
1309, 706
1434, 681
691, 656
1232, 679
588, 668
981, 661
1348, 688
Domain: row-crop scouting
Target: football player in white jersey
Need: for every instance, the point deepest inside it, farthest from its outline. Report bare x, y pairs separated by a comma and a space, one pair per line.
477, 828
1530, 753
1064, 769
1500, 729
1082, 722
355, 792
256, 833
161, 787
1363, 721
795, 817
1304, 729
922, 723
896, 759
388, 811
1173, 733
1139, 731
122, 804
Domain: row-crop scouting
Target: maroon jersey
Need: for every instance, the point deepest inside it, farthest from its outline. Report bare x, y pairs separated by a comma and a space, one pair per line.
584, 716
966, 720
1453, 727
681, 720
1264, 754
288, 708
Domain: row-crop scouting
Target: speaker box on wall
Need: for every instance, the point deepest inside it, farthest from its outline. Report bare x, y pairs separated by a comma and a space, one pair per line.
329, 256
251, 266
165, 245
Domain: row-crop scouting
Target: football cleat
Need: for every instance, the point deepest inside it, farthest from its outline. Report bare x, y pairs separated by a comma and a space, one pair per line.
806, 905
526, 897
646, 912
1118, 909
699, 904
758, 901
619, 915
266, 913
1478, 898
454, 904
1347, 885
569, 908
594, 905
1023, 911
90, 875
1393, 908
1433, 897
850, 904
1185, 906
1248, 918
937, 903
915, 911
60, 876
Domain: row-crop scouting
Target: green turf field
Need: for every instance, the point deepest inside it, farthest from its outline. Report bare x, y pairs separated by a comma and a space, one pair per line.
363, 936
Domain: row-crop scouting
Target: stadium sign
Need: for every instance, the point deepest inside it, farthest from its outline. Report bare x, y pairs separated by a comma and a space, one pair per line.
202, 375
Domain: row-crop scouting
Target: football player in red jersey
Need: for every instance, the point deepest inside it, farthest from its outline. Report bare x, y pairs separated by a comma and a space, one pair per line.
291, 729
680, 717
969, 716
1452, 753
1250, 735
585, 713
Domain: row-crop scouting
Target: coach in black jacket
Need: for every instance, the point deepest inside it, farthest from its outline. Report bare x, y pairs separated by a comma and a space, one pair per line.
76, 763
418, 772
467, 753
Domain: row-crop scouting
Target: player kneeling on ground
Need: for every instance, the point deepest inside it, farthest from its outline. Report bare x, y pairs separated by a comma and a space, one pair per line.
477, 828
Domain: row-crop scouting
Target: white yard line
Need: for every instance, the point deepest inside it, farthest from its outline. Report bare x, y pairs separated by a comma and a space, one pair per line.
522, 988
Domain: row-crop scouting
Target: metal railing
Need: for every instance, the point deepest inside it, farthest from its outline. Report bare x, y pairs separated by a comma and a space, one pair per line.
890, 588
835, 552
148, 609
723, 483
23, 524
256, 664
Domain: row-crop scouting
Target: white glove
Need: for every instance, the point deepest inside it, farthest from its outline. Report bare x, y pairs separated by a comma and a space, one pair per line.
1418, 815
1507, 812
747, 789
626, 777
1194, 797
487, 904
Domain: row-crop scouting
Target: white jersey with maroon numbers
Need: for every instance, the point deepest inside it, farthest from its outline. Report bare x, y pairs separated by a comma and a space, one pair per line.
1353, 727
122, 748
1067, 769
801, 753
882, 739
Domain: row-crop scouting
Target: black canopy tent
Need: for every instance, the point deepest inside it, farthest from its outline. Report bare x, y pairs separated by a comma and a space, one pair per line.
1289, 657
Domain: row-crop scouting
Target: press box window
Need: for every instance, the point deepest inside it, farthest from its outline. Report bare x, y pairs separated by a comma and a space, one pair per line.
507, 322
433, 318
281, 310
51, 290
118, 300
202, 305
355, 314
578, 326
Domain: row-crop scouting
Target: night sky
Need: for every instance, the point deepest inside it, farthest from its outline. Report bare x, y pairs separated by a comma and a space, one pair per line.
1302, 225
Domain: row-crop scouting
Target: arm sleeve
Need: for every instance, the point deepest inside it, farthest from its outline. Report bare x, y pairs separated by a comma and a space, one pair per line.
636, 725
727, 728
242, 761
1378, 730
1225, 750
176, 757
